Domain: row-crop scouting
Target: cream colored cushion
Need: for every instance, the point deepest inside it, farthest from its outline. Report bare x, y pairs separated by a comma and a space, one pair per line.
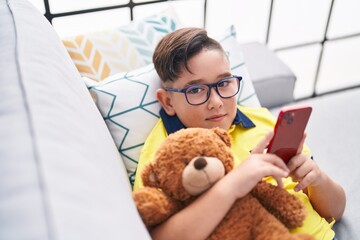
101, 54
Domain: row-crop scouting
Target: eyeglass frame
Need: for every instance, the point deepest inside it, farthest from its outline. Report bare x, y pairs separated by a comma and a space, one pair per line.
210, 85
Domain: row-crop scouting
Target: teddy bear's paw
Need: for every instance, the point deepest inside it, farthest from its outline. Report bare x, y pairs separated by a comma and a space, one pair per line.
283, 205
153, 205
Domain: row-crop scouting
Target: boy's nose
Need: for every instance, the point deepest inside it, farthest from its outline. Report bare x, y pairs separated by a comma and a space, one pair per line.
215, 100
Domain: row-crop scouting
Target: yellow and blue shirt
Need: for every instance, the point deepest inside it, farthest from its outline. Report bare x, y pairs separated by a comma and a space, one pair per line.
249, 126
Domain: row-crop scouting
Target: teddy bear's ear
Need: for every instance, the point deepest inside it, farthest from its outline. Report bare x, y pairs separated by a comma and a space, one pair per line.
148, 176
223, 135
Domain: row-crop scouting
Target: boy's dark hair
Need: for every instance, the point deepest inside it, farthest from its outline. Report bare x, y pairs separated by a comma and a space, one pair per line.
173, 52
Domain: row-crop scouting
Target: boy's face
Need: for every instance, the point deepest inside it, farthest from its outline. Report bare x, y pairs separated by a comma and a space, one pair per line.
209, 66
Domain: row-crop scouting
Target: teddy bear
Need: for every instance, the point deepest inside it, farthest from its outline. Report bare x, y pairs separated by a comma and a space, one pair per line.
188, 163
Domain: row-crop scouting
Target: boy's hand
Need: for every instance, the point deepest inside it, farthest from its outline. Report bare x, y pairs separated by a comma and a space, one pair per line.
303, 169
276, 166
257, 166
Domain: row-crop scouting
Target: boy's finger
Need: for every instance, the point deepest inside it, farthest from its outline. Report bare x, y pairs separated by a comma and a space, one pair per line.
259, 148
299, 187
276, 161
279, 182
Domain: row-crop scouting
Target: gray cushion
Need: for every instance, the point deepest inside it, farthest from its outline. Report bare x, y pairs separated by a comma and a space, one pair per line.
273, 81
61, 174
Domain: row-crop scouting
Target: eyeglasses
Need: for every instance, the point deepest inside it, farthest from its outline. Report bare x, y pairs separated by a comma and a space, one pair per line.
199, 93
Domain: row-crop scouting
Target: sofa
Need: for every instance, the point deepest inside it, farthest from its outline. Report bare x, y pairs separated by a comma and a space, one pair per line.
70, 137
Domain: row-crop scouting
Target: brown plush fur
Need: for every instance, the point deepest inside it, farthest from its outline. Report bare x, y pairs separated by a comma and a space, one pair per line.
268, 212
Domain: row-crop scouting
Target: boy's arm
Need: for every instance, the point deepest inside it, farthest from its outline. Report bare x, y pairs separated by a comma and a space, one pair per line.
197, 220
327, 197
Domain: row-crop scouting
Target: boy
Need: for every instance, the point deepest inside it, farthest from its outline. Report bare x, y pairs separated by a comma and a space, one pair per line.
199, 91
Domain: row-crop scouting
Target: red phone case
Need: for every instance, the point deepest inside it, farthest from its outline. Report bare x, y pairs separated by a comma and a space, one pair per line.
288, 131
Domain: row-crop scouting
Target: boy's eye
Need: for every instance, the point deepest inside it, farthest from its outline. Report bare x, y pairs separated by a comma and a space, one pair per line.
223, 83
196, 90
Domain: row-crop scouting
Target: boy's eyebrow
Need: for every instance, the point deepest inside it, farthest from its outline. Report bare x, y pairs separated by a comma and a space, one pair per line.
200, 81
225, 75
193, 82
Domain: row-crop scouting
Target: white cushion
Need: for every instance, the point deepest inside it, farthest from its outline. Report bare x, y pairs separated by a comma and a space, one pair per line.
61, 174
128, 103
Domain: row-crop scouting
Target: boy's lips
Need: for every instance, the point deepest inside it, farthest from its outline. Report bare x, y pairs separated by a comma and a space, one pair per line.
217, 117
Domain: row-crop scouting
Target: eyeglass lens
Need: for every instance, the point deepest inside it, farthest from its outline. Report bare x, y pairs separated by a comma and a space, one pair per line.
199, 94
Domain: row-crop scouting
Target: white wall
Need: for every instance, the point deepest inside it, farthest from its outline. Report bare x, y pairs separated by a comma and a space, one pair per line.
299, 32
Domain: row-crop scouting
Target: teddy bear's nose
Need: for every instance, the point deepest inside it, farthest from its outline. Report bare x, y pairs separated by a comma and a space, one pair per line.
200, 163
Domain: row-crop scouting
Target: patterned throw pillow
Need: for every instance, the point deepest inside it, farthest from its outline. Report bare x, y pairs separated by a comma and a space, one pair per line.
101, 54
129, 107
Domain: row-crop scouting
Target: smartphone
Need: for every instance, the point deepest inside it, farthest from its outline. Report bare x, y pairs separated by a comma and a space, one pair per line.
289, 130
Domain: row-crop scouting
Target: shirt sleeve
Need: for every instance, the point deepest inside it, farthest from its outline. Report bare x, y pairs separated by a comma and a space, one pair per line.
152, 143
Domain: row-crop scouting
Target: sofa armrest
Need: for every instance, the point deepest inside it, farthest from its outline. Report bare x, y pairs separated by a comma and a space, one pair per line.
61, 173
273, 81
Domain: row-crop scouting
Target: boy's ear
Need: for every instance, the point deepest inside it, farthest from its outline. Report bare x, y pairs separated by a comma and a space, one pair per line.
163, 97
